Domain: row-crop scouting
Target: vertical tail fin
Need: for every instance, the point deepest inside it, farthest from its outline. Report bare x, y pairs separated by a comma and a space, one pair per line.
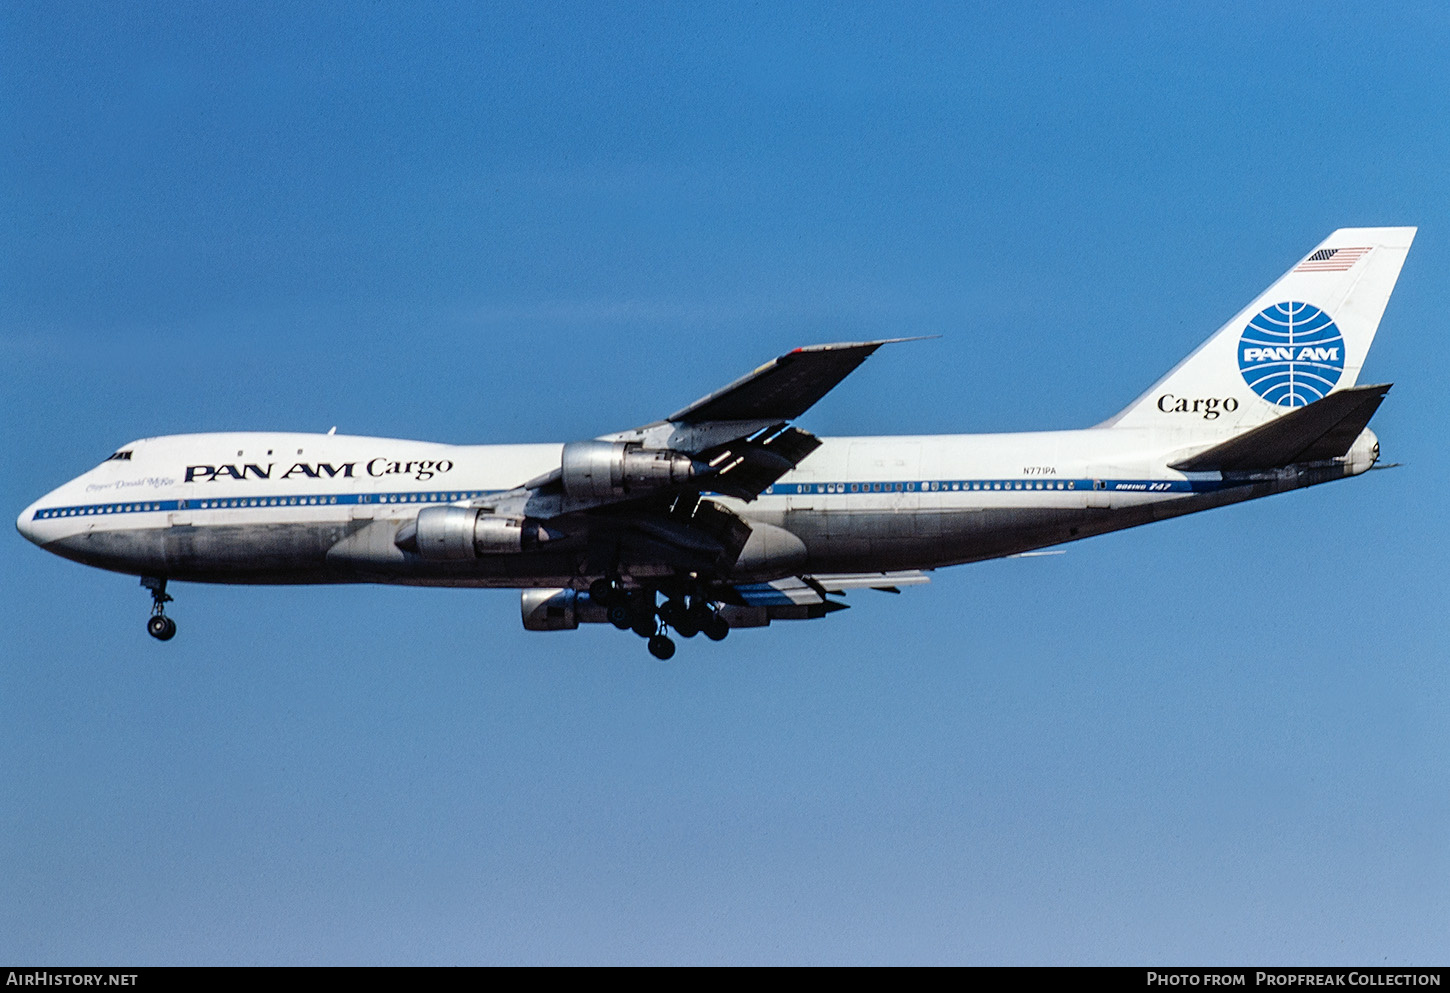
1302, 338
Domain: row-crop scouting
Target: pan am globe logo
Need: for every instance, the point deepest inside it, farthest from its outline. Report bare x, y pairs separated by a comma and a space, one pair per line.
1291, 354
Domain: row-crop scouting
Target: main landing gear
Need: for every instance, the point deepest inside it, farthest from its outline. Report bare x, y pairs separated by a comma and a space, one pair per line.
159, 626
636, 610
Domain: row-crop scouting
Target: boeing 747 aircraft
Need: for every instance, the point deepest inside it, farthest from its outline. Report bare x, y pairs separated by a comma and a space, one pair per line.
725, 514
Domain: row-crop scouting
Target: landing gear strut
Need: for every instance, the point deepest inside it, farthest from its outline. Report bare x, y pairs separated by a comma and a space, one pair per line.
159, 626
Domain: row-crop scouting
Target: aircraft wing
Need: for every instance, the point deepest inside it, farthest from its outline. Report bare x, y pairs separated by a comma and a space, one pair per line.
740, 431
734, 442
783, 388
645, 493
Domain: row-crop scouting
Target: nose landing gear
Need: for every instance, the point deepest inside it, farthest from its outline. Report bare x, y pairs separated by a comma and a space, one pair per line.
159, 626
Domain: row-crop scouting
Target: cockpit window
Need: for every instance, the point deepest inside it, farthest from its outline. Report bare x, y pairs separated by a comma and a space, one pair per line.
119, 457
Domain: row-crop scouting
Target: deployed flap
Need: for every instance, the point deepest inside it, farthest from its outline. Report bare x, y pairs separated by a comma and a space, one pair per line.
1323, 430
838, 582
783, 388
744, 467
814, 589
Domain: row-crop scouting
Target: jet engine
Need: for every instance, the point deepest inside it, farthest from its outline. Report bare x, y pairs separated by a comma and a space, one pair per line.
612, 470
559, 610
461, 533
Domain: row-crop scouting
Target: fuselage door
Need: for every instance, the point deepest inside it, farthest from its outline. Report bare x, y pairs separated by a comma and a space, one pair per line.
182, 515
887, 471
1102, 494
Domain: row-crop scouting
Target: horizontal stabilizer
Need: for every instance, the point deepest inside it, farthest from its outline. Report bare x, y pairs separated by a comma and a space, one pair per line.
783, 388
1322, 430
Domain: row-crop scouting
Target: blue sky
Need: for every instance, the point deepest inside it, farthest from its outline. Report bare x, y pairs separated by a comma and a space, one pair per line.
1218, 739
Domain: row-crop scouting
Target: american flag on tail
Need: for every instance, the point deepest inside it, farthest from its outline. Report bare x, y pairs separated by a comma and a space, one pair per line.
1331, 260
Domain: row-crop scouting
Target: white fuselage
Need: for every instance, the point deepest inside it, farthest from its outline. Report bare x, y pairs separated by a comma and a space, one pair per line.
296, 508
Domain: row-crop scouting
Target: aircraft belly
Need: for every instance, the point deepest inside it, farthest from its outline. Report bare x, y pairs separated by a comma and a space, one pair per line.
298, 553
846, 541
139, 551
254, 548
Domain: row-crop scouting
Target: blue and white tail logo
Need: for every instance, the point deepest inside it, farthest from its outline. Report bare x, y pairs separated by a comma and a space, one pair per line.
1291, 354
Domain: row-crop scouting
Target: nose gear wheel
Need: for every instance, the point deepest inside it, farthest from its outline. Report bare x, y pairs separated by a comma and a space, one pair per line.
158, 625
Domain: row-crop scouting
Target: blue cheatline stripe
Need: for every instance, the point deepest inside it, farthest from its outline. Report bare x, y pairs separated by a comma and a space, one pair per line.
1044, 484
248, 503
779, 489
86, 510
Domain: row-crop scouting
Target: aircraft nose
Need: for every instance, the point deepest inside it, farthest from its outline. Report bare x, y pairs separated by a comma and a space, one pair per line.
25, 524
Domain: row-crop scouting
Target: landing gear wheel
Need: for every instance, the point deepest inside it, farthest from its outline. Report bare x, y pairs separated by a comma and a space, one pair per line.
716, 628
701, 619
161, 627
620, 616
601, 591
678, 617
661, 647
644, 625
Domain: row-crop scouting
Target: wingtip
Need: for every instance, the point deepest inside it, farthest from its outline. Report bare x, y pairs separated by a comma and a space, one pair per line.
872, 345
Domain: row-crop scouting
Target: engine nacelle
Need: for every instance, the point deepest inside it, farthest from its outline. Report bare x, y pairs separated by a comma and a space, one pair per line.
454, 534
558, 610
612, 470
